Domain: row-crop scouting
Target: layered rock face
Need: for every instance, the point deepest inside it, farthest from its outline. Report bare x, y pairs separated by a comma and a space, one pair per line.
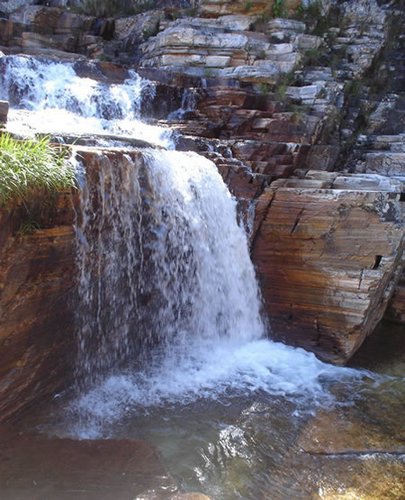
327, 253
217, 8
37, 271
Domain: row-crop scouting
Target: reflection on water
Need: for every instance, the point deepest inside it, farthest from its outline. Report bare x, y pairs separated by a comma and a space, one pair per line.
268, 447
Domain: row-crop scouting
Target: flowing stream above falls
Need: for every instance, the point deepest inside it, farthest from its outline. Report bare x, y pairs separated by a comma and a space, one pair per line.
171, 344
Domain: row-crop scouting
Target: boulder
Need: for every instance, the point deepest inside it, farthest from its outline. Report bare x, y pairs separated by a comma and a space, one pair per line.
328, 256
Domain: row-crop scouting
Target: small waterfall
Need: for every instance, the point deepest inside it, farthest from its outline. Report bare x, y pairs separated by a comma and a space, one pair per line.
188, 105
50, 97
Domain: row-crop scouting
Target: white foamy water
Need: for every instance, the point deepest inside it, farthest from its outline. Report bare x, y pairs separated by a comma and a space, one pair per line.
49, 97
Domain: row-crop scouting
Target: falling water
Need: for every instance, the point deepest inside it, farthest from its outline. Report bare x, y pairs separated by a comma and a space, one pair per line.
169, 308
184, 287
50, 97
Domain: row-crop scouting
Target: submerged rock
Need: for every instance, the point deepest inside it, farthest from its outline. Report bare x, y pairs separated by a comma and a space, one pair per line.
37, 466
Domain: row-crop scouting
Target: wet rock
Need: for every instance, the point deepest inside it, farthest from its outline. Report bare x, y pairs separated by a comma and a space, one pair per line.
190, 496
3, 112
345, 433
36, 323
36, 466
328, 256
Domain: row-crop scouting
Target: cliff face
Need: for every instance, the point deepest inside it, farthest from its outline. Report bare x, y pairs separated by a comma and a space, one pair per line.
36, 321
328, 254
304, 117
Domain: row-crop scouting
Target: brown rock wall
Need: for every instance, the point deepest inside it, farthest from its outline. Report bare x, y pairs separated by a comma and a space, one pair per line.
327, 261
36, 280
214, 8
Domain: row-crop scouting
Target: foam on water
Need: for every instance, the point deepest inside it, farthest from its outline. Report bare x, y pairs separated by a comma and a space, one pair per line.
49, 97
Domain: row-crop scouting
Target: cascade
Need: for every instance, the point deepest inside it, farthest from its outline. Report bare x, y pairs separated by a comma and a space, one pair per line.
169, 308
50, 97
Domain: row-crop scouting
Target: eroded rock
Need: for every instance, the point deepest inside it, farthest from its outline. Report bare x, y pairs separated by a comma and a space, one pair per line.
36, 322
328, 259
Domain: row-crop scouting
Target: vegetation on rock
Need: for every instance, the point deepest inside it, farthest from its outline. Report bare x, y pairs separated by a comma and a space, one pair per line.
30, 165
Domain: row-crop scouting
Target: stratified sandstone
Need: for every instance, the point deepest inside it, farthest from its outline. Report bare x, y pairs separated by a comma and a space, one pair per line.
328, 254
217, 8
36, 319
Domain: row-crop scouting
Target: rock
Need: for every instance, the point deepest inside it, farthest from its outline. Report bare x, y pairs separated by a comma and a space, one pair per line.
328, 260
42, 27
36, 322
343, 432
396, 308
3, 112
190, 496
36, 466
135, 29
383, 352
215, 8
205, 48
386, 163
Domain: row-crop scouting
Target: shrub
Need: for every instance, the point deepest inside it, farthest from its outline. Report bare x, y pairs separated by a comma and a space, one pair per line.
30, 165
279, 9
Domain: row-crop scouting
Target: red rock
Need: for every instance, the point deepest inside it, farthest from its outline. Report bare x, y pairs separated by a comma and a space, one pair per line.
36, 330
327, 262
38, 467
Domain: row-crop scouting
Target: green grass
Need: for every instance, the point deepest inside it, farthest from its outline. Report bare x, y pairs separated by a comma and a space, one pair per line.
31, 165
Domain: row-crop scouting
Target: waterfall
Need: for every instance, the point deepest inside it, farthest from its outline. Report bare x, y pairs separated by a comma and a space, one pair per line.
162, 260
191, 307
169, 308
50, 97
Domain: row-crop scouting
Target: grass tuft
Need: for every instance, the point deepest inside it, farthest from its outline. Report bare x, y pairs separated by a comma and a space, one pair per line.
32, 165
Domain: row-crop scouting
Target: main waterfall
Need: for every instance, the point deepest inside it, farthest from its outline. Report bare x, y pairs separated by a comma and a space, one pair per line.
169, 308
